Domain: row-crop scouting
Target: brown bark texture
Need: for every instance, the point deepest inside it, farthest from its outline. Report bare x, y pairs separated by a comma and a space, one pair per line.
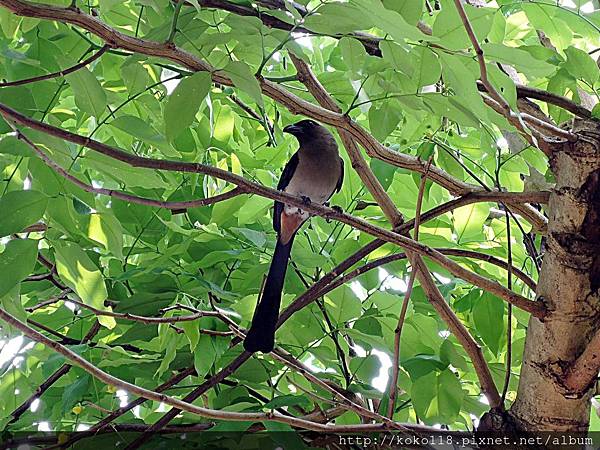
568, 285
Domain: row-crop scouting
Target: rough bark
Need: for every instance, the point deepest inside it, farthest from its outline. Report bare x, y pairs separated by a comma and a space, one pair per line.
568, 285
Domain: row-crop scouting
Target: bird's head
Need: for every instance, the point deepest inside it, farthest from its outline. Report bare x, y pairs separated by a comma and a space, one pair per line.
309, 131
302, 128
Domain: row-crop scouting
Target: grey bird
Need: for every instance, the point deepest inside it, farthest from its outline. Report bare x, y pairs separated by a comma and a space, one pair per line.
314, 173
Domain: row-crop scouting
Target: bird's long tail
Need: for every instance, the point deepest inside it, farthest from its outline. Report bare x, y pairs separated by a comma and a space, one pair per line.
261, 335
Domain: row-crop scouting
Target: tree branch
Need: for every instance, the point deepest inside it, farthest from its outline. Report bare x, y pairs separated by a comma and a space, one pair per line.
61, 371
166, 399
123, 195
461, 333
534, 308
583, 372
292, 102
402, 316
548, 97
60, 73
321, 287
505, 110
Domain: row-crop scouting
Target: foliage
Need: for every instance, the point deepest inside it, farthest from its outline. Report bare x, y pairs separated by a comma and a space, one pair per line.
419, 97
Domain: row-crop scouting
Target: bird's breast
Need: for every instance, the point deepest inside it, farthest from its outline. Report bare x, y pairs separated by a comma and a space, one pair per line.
315, 179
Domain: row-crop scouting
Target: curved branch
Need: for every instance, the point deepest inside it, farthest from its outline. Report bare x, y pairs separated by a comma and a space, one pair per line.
60, 73
48, 382
584, 370
292, 102
534, 308
548, 97
123, 195
145, 319
105, 377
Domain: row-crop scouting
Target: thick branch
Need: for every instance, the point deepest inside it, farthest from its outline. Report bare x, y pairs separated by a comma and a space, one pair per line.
461, 333
583, 372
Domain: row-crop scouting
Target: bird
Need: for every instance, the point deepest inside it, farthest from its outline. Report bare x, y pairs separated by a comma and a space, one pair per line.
313, 173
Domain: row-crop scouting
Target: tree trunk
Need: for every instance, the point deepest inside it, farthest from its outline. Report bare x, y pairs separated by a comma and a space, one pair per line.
568, 285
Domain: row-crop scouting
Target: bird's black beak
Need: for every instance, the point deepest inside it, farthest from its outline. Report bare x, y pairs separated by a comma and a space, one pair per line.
292, 129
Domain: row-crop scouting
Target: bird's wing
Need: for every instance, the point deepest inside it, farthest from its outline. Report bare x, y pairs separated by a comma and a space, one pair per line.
284, 180
338, 186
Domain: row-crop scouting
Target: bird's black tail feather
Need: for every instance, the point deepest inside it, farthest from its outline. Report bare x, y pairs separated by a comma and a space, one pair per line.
261, 335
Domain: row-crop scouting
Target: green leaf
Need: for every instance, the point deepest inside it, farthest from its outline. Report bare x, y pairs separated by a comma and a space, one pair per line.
106, 230
365, 368
135, 76
244, 79
428, 69
289, 400
581, 65
383, 119
468, 222
89, 95
21, 209
353, 54
398, 58
138, 128
488, 314
10, 145
543, 18
387, 20
75, 392
344, 303
346, 19
192, 333
184, 102
78, 272
17, 261
411, 10
383, 171
520, 59
437, 398
449, 28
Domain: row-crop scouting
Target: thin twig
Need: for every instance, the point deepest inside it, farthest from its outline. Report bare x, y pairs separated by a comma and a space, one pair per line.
402, 315
509, 321
178, 5
60, 73
173, 205
48, 382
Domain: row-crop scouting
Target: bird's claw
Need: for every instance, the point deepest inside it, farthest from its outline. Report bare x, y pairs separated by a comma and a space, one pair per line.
336, 208
305, 199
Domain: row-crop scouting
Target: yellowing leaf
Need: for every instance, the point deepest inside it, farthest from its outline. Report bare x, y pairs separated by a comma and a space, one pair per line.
78, 272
